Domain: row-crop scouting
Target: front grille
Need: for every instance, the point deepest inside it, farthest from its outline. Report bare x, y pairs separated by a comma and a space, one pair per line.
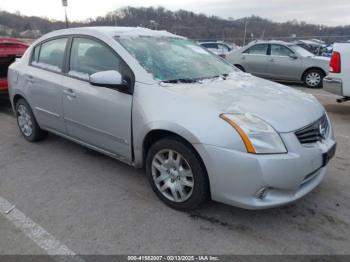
316, 132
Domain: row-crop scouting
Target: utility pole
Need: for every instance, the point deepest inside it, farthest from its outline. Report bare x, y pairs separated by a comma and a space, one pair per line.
245, 30
65, 4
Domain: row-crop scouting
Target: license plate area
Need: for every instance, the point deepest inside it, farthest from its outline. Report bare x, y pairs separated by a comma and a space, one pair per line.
326, 157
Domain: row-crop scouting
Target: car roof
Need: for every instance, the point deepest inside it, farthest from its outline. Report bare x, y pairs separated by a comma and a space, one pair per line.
113, 31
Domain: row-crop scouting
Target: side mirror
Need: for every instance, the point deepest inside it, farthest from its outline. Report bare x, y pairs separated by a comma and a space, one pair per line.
293, 56
110, 79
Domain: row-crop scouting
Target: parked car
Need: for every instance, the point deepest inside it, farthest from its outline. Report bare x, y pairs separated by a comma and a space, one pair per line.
218, 48
283, 61
201, 128
10, 49
338, 80
314, 46
327, 50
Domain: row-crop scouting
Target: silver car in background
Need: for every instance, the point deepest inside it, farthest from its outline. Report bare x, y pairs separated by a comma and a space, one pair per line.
281, 61
221, 49
200, 127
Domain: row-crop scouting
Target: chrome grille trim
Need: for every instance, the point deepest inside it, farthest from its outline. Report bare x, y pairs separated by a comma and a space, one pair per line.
315, 132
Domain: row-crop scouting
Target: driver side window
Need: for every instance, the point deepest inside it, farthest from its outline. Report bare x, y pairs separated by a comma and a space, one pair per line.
89, 56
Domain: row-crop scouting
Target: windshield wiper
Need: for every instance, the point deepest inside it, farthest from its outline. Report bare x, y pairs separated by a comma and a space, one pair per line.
224, 76
194, 80
181, 80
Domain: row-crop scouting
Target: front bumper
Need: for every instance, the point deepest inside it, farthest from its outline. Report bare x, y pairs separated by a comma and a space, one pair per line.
333, 85
237, 178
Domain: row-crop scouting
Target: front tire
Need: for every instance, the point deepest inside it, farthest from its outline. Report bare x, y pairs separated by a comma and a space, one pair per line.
27, 123
176, 174
314, 78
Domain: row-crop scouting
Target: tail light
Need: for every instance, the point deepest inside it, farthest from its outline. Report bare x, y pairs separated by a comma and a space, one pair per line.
335, 64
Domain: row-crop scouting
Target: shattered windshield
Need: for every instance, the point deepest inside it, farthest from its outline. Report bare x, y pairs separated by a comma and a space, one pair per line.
175, 59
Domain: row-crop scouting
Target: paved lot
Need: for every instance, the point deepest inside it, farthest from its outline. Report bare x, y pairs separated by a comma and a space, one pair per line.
92, 204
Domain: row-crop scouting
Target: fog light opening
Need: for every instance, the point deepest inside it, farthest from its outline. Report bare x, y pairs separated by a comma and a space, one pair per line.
262, 193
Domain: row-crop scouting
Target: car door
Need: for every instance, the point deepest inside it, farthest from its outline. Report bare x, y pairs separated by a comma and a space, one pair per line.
255, 59
44, 83
98, 116
283, 63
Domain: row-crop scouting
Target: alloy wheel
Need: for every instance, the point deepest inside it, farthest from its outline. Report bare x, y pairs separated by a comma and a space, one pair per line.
24, 120
313, 79
172, 175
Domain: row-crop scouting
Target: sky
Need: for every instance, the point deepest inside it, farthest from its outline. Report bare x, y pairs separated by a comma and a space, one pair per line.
326, 12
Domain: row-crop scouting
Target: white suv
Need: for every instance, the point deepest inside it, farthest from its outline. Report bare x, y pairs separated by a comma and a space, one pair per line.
338, 81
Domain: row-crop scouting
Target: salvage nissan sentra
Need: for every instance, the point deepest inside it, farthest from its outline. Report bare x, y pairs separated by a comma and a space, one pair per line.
201, 128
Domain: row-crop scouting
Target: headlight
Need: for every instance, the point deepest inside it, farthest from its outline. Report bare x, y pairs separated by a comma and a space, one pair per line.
258, 136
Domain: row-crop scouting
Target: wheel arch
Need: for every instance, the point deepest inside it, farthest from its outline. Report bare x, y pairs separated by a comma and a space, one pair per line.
240, 67
312, 68
157, 134
15, 99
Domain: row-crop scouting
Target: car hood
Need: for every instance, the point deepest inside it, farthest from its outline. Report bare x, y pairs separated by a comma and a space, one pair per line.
282, 107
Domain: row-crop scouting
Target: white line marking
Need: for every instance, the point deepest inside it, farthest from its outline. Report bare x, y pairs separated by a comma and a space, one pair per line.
39, 235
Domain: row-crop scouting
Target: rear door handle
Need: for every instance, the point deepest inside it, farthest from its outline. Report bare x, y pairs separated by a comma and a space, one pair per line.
70, 93
272, 60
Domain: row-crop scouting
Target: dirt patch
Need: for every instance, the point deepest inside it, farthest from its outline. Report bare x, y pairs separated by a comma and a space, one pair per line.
215, 221
339, 109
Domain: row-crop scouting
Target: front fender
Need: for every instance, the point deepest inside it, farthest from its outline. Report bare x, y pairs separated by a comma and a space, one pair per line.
140, 135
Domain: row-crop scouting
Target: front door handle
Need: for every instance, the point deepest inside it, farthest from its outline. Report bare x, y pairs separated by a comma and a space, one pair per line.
272, 60
70, 93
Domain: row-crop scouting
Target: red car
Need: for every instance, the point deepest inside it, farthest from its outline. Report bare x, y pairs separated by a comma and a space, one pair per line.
10, 49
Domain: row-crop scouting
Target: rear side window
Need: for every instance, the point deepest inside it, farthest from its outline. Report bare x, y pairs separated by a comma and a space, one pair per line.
257, 50
211, 45
280, 50
51, 54
89, 56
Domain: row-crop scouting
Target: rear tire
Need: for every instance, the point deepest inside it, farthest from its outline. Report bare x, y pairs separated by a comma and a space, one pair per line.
176, 174
313, 78
27, 123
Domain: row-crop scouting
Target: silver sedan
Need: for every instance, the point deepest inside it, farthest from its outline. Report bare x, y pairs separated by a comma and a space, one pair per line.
282, 61
201, 128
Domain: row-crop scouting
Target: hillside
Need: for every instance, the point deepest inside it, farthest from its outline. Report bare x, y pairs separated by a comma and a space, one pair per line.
195, 26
